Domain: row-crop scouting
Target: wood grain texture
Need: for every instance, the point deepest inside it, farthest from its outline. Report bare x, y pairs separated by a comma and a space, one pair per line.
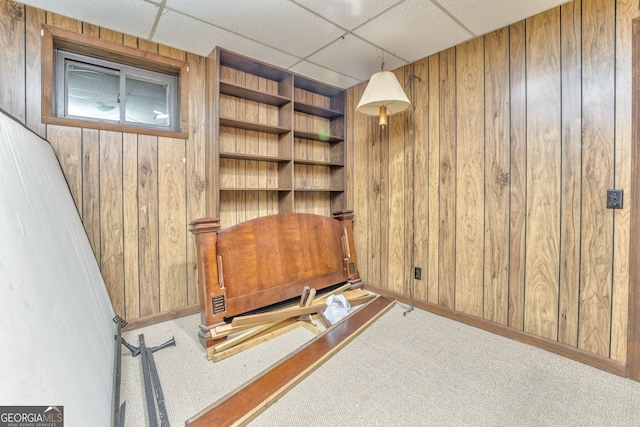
172, 216
398, 199
543, 174
598, 128
67, 144
12, 41
571, 173
130, 225
91, 187
196, 184
35, 19
361, 183
433, 273
497, 177
626, 12
633, 331
111, 218
518, 159
448, 167
419, 96
148, 224
470, 165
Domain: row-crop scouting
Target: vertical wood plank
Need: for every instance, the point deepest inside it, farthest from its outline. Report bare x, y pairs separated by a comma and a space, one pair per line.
633, 331
626, 12
91, 188
447, 166
12, 44
397, 197
598, 108
571, 173
497, 177
35, 19
543, 174
361, 183
67, 144
148, 224
130, 225
419, 96
111, 219
172, 250
469, 195
195, 153
374, 231
433, 252
64, 22
518, 189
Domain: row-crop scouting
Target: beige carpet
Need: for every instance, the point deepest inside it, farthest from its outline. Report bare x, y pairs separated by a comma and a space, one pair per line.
414, 370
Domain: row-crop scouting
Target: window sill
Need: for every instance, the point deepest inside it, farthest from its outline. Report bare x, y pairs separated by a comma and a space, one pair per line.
60, 121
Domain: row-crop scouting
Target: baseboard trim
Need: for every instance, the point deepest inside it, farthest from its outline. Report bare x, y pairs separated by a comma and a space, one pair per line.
606, 364
161, 317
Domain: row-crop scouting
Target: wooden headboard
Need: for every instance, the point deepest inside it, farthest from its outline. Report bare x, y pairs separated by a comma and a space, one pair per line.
268, 260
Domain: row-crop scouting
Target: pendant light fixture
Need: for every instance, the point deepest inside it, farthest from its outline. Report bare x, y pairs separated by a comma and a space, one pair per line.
383, 97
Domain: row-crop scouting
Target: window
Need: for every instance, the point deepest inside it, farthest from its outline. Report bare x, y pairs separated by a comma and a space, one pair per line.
93, 89
92, 83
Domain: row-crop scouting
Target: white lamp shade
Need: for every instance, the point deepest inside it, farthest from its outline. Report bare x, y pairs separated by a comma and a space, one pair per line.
383, 90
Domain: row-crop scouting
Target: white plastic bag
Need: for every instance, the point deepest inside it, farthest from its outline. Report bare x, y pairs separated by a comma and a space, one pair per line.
337, 308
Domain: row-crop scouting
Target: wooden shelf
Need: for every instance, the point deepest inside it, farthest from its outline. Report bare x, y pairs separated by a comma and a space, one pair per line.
256, 157
247, 125
322, 190
316, 111
316, 136
300, 106
252, 94
317, 163
253, 189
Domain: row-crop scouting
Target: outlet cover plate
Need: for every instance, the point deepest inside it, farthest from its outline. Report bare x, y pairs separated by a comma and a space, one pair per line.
614, 199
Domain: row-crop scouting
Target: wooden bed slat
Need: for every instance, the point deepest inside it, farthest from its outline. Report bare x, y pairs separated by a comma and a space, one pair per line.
249, 400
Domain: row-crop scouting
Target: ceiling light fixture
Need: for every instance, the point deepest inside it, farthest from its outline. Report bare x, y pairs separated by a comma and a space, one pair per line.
383, 96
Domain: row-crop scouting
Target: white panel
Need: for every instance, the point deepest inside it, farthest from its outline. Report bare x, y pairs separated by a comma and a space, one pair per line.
413, 30
322, 74
349, 14
202, 38
483, 16
355, 58
276, 23
133, 17
57, 334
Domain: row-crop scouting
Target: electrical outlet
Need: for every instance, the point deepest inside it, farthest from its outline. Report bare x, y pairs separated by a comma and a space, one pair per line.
614, 199
417, 273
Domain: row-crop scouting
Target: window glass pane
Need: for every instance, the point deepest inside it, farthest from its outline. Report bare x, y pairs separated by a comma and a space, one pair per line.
92, 92
146, 102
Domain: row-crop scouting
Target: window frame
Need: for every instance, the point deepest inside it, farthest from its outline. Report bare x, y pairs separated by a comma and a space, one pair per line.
54, 39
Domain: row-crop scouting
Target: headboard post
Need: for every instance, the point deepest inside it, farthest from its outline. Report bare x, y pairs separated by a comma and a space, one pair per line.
350, 263
205, 231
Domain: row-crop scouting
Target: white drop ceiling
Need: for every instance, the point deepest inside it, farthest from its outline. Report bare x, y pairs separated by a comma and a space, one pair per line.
339, 42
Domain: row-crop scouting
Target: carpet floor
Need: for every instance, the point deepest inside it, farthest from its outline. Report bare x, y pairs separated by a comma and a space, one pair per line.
413, 370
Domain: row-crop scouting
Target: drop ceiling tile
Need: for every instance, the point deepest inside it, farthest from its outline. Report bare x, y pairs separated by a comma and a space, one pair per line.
424, 30
349, 14
202, 38
322, 74
133, 17
355, 58
483, 16
277, 23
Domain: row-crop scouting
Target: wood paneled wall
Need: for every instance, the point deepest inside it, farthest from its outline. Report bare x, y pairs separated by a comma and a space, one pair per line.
134, 193
495, 182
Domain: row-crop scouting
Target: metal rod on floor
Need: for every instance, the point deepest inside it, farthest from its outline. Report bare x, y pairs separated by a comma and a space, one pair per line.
162, 409
148, 392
